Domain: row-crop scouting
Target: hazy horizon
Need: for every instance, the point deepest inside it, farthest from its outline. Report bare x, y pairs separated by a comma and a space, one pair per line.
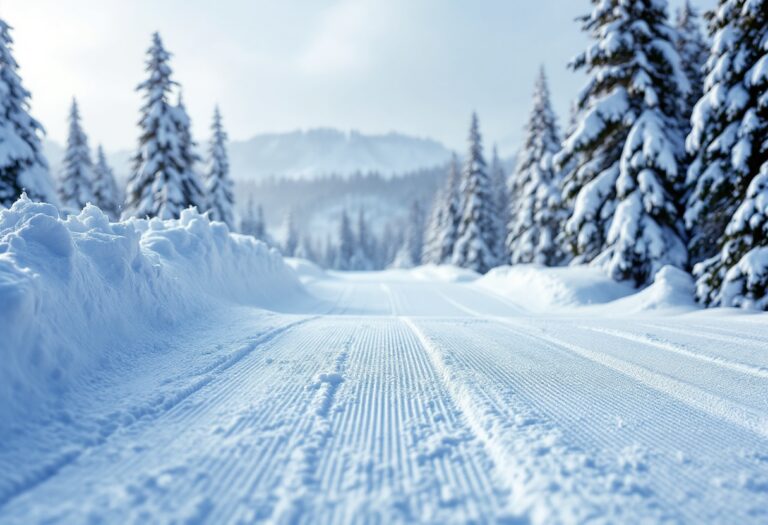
373, 66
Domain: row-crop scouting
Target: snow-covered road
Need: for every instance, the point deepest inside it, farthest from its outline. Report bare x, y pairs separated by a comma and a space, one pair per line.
391, 399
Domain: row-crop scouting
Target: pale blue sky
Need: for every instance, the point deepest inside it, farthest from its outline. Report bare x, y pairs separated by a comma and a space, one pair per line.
416, 66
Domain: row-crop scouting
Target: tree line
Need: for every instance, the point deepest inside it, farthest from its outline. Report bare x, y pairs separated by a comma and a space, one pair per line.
166, 177
664, 160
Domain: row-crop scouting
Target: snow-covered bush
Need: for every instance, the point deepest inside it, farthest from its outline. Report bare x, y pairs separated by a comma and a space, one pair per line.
73, 291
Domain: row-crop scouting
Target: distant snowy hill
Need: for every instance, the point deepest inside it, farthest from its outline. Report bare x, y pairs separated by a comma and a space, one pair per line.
308, 154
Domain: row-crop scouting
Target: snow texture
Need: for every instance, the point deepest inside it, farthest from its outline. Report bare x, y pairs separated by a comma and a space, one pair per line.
76, 293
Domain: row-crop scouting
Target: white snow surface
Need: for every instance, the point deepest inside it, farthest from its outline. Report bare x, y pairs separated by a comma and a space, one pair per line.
80, 293
220, 391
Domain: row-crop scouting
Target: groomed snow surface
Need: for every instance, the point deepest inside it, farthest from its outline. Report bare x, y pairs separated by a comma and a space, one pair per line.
171, 372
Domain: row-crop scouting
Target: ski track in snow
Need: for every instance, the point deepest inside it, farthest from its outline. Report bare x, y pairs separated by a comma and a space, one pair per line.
397, 401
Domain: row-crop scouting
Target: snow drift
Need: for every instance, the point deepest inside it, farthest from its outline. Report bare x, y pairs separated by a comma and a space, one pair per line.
539, 288
74, 291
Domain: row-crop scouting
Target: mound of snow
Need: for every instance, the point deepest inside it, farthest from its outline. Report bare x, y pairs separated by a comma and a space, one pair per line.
672, 291
306, 270
538, 288
74, 291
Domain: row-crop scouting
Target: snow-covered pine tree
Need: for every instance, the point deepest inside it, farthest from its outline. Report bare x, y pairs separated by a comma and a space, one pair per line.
409, 254
476, 233
500, 196
105, 190
291, 236
437, 219
693, 50
537, 218
440, 234
729, 202
160, 185
22, 165
192, 181
77, 177
626, 149
361, 258
346, 246
218, 185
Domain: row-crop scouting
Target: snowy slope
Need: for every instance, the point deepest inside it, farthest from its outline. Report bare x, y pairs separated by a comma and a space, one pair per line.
76, 294
412, 396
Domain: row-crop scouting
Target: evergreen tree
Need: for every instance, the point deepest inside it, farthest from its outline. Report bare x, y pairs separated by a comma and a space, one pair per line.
192, 181
501, 201
253, 222
161, 184
346, 246
537, 218
361, 258
626, 149
729, 203
218, 185
77, 177
291, 236
476, 234
440, 235
694, 51
409, 254
22, 165
105, 190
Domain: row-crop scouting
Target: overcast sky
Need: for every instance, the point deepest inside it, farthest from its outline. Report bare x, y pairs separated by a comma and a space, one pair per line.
415, 66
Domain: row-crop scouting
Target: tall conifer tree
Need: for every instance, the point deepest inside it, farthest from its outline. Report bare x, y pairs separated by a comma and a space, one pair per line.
729, 202
476, 233
77, 177
23, 167
626, 150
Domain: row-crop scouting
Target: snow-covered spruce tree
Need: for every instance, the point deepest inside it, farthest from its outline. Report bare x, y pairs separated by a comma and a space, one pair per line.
693, 50
729, 202
361, 258
192, 180
440, 234
160, 185
291, 236
22, 165
476, 233
77, 177
624, 154
501, 201
537, 218
409, 254
346, 245
105, 190
218, 185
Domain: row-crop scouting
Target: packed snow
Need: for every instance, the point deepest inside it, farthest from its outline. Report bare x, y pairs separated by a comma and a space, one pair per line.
201, 381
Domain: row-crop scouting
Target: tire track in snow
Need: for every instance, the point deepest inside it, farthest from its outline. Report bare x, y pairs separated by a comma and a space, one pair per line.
559, 410
549, 481
144, 412
229, 438
398, 449
693, 396
757, 371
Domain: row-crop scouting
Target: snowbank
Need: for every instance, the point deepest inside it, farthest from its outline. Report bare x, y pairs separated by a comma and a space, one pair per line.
539, 289
74, 290
306, 270
671, 292
587, 290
